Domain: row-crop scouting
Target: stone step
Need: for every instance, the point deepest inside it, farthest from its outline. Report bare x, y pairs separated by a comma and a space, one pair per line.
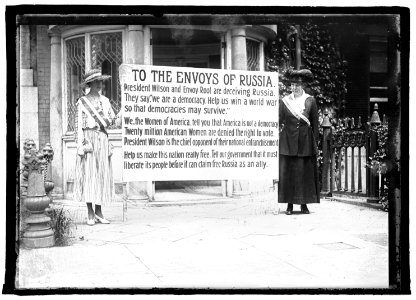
189, 202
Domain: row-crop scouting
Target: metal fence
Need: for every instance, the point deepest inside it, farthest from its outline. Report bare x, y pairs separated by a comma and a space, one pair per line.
347, 147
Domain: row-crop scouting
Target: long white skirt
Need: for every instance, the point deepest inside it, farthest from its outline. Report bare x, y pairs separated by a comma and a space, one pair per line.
93, 171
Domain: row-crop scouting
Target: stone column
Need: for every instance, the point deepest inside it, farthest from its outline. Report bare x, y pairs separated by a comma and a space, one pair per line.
137, 190
147, 47
56, 112
135, 44
238, 188
239, 49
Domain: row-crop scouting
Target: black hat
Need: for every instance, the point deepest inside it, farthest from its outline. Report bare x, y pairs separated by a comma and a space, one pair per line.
303, 75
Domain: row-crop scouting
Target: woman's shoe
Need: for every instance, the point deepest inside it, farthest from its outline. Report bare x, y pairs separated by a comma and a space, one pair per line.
289, 209
90, 222
101, 220
304, 209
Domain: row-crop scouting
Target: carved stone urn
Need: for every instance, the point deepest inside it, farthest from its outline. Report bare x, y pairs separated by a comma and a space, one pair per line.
48, 156
38, 233
28, 145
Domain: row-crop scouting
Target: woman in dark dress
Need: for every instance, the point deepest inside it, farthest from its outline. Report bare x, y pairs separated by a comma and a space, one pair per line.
298, 170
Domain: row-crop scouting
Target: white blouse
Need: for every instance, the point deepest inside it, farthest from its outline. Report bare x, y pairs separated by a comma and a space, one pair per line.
298, 104
85, 120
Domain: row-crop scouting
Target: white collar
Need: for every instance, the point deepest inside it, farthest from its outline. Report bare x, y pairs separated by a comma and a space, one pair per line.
298, 104
301, 99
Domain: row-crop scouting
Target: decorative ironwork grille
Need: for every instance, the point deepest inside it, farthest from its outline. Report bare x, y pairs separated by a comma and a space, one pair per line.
107, 54
75, 70
253, 55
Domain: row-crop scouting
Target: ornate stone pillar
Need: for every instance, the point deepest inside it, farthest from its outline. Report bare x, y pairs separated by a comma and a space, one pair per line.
38, 233
56, 111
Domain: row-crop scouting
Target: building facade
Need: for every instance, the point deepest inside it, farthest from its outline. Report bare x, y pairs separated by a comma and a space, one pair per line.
53, 60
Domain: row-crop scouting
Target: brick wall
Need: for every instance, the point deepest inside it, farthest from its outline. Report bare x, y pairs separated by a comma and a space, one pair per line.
43, 82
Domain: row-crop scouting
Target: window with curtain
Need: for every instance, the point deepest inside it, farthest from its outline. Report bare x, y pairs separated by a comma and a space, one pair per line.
105, 53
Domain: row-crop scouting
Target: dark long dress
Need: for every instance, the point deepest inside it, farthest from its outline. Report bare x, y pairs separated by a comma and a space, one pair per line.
298, 170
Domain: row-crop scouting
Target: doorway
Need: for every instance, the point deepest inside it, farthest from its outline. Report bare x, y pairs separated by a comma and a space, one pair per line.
195, 48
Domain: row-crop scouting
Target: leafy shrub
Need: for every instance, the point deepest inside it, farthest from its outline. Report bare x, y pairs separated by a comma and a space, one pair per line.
62, 226
378, 162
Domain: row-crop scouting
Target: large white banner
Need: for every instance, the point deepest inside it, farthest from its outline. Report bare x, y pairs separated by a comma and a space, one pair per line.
199, 124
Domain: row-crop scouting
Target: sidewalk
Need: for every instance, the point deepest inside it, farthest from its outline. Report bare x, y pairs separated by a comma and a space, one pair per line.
242, 243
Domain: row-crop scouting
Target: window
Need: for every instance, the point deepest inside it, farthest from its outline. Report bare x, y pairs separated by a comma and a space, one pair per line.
107, 54
253, 55
104, 51
75, 70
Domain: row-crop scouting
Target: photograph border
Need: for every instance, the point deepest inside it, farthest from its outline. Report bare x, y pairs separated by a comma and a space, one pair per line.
399, 267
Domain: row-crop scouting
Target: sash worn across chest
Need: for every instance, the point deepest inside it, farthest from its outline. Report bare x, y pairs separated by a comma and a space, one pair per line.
294, 112
98, 116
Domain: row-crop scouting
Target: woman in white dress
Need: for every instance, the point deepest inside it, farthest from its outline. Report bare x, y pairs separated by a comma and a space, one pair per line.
93, 173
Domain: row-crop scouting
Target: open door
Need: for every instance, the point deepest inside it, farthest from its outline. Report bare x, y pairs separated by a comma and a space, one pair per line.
187, 47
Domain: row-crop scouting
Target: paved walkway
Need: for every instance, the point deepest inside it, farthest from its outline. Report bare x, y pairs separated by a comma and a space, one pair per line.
243, 243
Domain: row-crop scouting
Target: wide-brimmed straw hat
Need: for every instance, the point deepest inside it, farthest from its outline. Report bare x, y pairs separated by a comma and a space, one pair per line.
303, 76
93, 75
